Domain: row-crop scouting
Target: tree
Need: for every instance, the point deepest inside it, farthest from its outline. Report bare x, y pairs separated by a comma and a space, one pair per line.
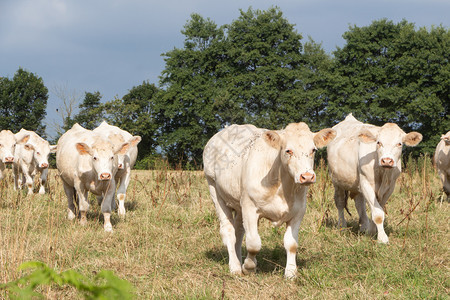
190, 113
247, 72
137, 114
390, 72
23, 100
91, 112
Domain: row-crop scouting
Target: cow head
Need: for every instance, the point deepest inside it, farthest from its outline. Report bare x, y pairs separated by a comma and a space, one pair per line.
117, 139
39, 152
103, 157
297, 146
390, 139
446, 138
8, 144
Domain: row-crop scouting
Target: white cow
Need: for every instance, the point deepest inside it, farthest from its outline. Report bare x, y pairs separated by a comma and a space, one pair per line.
256, 173
126, 161
442, 162
8, 143
365, 161
31, 158
87, 162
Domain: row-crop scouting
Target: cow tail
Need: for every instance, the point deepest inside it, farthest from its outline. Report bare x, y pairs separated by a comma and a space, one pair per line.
346, 202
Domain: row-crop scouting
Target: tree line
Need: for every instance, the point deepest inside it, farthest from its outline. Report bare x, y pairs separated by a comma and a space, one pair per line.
258, 70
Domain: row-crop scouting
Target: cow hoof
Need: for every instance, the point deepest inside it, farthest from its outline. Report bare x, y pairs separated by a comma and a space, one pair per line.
383, 239
237, 270
290, 274
249, 266
108, 228
70, 215
83, 221
121, 212
41, 192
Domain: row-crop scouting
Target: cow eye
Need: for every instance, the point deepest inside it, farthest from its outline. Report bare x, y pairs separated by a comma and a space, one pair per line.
112, 157
313, 151
95, 158
399, 144
38, 153
289, 152
1, 145
379, 144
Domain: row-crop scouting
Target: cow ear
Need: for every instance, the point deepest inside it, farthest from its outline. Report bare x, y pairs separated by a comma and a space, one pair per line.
367, 137
323, 137
53, 148
28, 147
122, 149
272, 138
135, 140
412, 139
24, 139
83, 149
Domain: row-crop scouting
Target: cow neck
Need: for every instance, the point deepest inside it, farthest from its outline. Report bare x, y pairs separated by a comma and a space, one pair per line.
272, 180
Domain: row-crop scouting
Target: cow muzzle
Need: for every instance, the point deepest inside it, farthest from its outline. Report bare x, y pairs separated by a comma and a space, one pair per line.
44, 166
307, 178
105, 176
8, 160
387, 162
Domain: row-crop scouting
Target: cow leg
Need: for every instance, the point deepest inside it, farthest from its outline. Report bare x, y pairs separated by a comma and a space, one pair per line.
364, 221
28, 178
291, 240
43, 181
376, 210
122, 190
239, 233
445, 178
16, 176
107, 205
227, 229
70, 194
83, 204
250, 218
340, 201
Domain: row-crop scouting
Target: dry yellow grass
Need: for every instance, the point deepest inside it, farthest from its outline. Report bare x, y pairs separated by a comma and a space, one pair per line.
169, 246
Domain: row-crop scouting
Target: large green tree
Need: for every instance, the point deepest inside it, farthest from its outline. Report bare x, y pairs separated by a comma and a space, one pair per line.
250, 71
91, 112
389, 72
23, 101
136, 113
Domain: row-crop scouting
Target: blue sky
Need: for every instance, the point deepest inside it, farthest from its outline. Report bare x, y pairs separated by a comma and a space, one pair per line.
112, 45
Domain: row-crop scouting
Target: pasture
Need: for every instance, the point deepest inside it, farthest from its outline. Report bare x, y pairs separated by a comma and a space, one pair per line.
168, 246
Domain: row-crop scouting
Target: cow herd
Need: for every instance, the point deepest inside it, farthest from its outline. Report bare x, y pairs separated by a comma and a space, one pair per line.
252, 173
256, 173
95, 161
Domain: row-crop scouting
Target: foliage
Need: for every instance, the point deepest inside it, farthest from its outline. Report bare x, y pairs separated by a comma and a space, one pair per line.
390, 72
90, 114
105, 284
136, 113
23, 100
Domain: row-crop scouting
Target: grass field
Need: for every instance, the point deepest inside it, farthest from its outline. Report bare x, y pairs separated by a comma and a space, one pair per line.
169, 245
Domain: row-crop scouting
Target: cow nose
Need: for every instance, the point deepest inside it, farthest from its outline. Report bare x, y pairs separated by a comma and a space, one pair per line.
44, 165
105, 176
387, 162
307, 178
9, 159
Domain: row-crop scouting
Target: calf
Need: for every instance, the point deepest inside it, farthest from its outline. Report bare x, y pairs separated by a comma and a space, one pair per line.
256, 173
87, 162
442, 162
8, 143
365, 161
126, 160
31, 158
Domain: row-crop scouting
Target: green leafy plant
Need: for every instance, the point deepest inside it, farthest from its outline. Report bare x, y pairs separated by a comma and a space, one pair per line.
105, 284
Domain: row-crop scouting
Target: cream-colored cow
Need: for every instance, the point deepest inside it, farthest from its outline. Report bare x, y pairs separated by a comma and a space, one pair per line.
31, 158
87, 162
365, 160
8, 144
256, 173
126, 161
442, 162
